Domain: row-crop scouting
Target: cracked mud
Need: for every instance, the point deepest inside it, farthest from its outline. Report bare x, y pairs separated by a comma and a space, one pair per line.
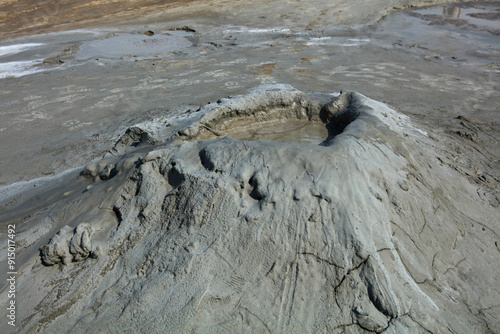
202, 194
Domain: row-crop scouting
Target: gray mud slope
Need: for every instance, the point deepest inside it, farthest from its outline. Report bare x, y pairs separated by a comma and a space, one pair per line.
184, 230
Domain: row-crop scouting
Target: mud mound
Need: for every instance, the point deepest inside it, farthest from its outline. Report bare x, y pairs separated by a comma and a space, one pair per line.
367, 232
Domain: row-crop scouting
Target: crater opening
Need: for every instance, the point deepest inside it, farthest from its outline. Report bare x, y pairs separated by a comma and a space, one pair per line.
118, 45
288, 130
312, 120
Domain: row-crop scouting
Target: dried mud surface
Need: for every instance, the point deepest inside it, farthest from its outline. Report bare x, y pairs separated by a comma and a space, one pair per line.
283, 167
183, 229
80, 97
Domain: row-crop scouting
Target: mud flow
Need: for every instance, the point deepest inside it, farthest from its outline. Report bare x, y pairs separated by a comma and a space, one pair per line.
460, 32
123, 44
479, 15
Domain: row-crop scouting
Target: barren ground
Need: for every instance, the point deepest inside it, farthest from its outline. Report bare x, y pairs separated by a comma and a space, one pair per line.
434, 67
409, 200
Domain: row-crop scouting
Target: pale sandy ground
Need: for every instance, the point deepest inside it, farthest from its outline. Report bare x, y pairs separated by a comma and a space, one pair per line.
429, 210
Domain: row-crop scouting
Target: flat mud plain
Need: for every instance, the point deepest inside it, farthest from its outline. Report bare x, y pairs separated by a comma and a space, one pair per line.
67, 96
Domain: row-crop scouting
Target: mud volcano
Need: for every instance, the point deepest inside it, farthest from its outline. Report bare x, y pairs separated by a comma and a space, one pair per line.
184, 228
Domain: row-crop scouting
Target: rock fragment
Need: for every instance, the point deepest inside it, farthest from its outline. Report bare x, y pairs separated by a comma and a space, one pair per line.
68, 245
